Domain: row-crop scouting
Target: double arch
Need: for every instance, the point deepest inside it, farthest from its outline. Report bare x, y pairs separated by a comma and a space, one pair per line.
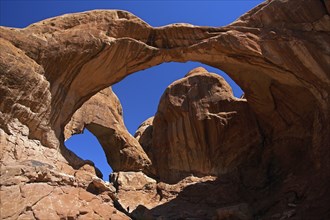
81, 54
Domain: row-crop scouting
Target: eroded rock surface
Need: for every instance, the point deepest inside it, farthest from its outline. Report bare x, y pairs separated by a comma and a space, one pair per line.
102, 115
144, 198
35, 190
200, 128
134, 189
278, 53
144, 136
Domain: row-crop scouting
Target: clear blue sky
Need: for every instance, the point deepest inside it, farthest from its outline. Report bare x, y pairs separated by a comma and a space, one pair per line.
139, 93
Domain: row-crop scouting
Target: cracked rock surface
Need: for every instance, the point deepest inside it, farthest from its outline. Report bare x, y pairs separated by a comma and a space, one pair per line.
35, 190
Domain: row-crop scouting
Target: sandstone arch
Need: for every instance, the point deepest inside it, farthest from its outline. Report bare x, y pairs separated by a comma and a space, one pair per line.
278, 53
102, 115
71, 49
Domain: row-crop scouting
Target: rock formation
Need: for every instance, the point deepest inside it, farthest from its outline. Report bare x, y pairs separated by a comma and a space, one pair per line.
144, 136
103, 116
200, 128
278, 53
191, 197
35, 190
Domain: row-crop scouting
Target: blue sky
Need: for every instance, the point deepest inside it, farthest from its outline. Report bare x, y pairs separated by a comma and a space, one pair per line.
139, 93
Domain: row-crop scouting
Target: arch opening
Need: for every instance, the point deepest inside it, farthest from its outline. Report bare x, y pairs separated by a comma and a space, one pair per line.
87, 147
166, 128
139, 93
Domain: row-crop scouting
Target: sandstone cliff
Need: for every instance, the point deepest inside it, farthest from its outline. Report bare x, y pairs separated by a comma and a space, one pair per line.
278, 53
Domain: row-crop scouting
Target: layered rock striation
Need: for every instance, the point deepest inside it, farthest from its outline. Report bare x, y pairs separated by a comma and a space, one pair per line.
278, 53
200, 128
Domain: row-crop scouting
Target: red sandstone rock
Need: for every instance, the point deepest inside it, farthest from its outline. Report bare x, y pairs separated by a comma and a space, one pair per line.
278, 53
102, 115
34, 190
200, 128
144, 136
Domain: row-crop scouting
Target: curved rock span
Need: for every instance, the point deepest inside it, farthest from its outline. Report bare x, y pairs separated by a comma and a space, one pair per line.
103, 116
278, 53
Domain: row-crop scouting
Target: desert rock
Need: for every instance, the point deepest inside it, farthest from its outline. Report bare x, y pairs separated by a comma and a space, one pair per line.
102, 115
36, 190
278, 53
200, 128
144, 136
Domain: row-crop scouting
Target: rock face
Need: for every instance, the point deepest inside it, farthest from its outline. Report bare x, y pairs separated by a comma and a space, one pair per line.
144, 198
102, 115
200, 128
278, 53
134, 189
34, 190
144, 136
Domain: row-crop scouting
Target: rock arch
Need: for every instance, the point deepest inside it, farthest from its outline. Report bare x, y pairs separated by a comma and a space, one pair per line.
283, 73
277, 56
102, 115
78, 58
